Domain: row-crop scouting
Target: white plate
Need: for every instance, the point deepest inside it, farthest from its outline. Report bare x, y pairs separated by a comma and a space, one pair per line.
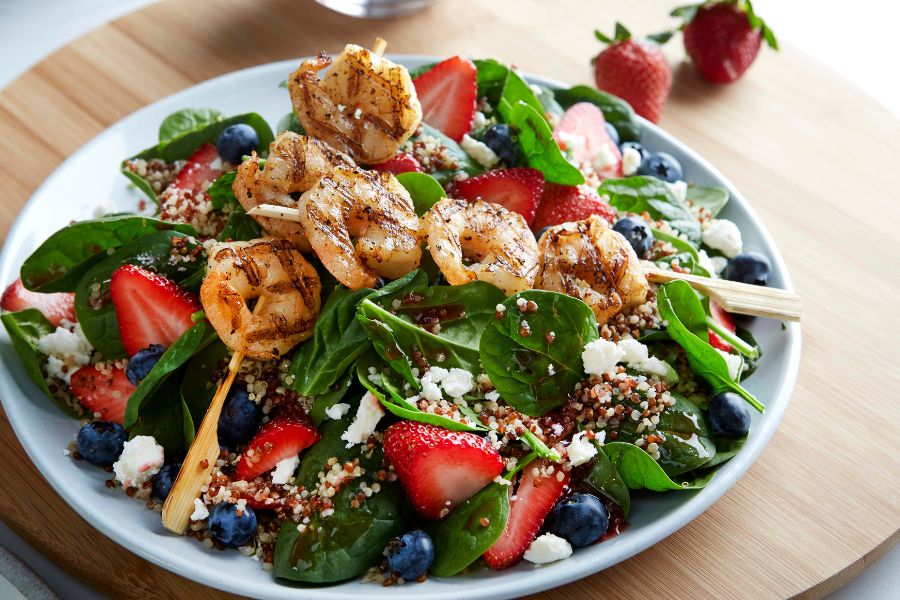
90, 178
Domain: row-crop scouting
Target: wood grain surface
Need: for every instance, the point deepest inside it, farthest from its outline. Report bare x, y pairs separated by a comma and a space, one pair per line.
817, 159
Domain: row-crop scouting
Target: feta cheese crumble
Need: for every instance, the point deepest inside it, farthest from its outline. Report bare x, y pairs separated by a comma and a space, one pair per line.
454, 382
580, 450
678, 189
548, 548
735, 364
285, 469
603, 158
140, 460
600, 356
479, 151
724, 236
631, 160
571, 141
336, 412
66, 351
200, 510
637, 356
363, 425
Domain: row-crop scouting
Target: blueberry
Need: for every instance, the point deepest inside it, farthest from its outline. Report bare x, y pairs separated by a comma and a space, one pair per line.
637, 232
729, 415
749, 267
101, 442
229, 528
235, 141
240, 418
580, 518
662, 166
143, 362
613, 133
164, 480
501, 140
410, 555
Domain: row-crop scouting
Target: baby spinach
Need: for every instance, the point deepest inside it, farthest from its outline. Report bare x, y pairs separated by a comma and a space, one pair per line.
639, 471
726, 449
177, 355
99, 323
63, 258
351, 540
491, 79
240, 225
461, 538
187, 120
463, 311
197, 385
424, 190
548, 102
536, 140
25, 328
166, 417
290, 122
713, 198
651, 195
616, 111
604, 479
333, 396
466, 163
681, 308
687, 255
535, 373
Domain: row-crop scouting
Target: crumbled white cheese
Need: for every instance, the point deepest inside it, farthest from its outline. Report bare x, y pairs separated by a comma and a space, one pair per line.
480, 121
66, 351
571, 141
430, 381
580, 450
636, 356
678, 189
604, 158
719, 263
631, 160
707, 263
200, 510
336, 412
735, 364
724, 236
285, 469
480, 151
140, 460
457, 382
492, 396
548, 548
363, 425
600, 356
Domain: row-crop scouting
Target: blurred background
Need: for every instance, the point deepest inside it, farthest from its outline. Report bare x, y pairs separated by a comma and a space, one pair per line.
849, 41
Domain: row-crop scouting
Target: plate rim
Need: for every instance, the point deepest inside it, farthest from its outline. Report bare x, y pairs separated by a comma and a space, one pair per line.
498, 587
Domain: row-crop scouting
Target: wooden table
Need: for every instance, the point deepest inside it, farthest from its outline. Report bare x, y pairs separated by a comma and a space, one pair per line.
818, 160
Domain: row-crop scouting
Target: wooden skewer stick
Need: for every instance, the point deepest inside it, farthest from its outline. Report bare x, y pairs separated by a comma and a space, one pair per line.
739, 298
734, 297
203, 453
379, 46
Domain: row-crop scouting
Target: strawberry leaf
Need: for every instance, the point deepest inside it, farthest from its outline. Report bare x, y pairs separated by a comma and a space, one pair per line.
622, 33
662, 37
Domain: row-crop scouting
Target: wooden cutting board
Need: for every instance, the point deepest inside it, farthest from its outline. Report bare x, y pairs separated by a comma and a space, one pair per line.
816, 157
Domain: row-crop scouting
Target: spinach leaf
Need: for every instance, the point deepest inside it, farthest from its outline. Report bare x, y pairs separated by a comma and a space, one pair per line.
604, 479
25, 328
465, 162
616, 111
290, 122
240, 225
187, 142
515, 90
166, 417
463, 312
197, 384
548, 102
491, 79
687, 256
679, 305
333, 396
187, 120
536, 140
220, 193
423, 188
751, 363
649, 194
535, 373
726, 449
639, 471
712, 198
461, 538
182, 350
98, 317
60, 262
350, 541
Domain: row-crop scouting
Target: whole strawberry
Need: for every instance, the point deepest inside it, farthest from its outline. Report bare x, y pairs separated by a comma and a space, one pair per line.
723, 37
634, 70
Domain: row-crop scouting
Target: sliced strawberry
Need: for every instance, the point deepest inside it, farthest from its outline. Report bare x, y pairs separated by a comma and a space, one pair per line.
565, 203
447, 93
105, 393
283, 437
439, 468
150, 308
518, 190
55, 307
724, 319
582, 131
533, 500
402, 162
202, 168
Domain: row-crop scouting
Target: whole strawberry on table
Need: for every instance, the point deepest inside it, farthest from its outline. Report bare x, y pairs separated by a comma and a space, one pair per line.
418, 427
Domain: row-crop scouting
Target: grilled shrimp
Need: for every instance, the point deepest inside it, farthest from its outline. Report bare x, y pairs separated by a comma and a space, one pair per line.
481, 240
294, 164
272, 268
365, 105
361, 224
588, 260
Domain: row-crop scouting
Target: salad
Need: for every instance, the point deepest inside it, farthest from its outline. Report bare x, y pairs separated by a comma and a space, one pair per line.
452, 355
